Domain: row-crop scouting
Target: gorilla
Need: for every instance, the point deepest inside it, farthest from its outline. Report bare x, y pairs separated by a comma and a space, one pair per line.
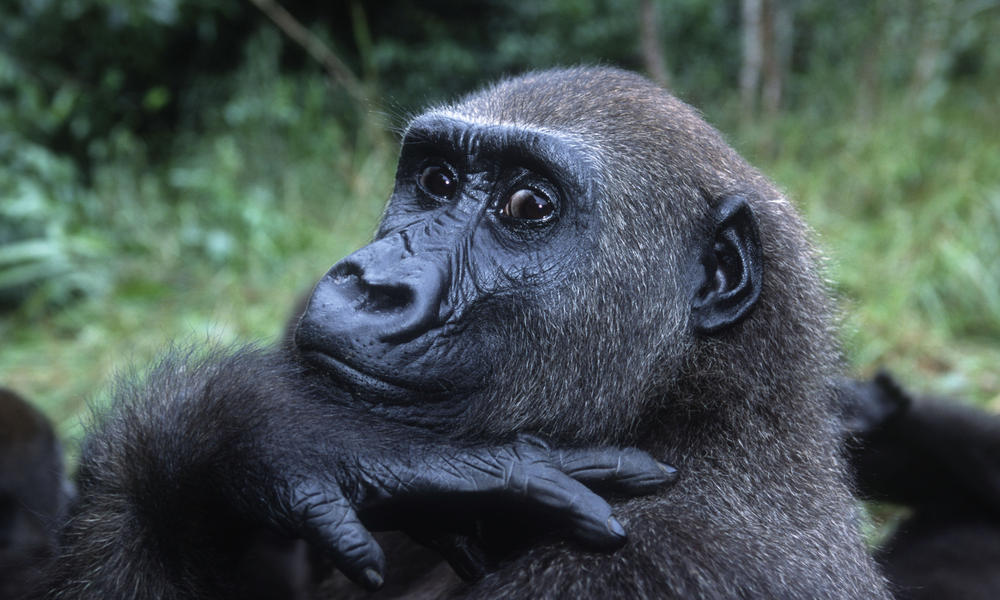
33, 493
571, 262
941, 460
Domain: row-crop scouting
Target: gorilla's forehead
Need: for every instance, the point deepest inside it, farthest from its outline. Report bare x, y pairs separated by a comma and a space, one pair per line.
593, 102
562, 155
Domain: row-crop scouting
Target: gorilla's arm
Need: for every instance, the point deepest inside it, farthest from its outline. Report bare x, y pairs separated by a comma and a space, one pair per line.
920, 451
187, 469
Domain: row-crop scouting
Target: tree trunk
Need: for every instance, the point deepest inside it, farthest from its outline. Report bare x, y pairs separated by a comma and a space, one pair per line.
776, 37
931, 54
652, 49
752, 56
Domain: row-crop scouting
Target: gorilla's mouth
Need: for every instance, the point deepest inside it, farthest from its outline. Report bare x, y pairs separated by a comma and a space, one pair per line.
363, 384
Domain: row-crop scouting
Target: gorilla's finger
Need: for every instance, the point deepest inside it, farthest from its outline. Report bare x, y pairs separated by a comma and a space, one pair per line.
327, 520
538, 482
522, 473
588, 517
627, 471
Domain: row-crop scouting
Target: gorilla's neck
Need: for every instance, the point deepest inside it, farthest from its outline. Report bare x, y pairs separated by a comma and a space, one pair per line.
760, 448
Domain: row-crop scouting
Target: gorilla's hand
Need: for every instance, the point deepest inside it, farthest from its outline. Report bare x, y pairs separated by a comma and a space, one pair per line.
441, 488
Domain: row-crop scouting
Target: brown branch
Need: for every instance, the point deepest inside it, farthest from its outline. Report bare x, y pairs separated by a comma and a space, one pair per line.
320, 52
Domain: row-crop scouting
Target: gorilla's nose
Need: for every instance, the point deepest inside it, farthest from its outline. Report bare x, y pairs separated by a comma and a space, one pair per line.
378, 295
397, 305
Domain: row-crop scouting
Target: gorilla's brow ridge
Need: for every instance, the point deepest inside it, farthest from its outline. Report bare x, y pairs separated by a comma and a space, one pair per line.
565, 156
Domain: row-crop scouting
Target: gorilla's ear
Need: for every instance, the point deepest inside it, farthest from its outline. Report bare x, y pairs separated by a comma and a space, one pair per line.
731, 270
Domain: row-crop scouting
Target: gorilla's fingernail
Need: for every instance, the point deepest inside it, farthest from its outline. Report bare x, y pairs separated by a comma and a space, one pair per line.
615, 527
373, 580
669, 471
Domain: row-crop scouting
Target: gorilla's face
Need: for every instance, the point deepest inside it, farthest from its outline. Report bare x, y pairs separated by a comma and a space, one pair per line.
485, 227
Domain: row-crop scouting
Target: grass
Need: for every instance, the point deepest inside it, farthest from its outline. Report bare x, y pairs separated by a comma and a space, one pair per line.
218, 242
907, 206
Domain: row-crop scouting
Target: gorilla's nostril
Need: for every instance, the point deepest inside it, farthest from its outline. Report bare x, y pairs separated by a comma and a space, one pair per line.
385, 298
345, 271
366, 296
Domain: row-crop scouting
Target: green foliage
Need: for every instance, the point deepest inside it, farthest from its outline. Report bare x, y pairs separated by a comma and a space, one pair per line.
41, 249
484, 39
218, 241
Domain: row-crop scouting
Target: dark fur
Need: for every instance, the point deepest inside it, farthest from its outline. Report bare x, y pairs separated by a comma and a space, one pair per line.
942, 461
33, 493
763, 509
134, 474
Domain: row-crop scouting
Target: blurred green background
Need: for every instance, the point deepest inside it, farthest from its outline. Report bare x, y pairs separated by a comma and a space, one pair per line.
184, 169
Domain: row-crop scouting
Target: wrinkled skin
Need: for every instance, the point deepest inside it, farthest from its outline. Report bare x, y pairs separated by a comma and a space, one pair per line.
415, 314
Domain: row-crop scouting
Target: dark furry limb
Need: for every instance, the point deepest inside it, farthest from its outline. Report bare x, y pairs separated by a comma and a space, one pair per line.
941, 460
199, 479
33, 493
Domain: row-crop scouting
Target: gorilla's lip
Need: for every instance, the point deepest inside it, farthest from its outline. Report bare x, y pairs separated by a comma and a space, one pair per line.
359, 379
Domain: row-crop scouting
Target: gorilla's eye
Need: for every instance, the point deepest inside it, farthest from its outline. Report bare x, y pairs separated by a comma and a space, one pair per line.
529, 205
437, 180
